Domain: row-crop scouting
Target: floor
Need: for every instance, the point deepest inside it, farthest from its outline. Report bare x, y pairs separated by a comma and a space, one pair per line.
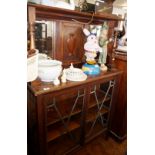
100, 146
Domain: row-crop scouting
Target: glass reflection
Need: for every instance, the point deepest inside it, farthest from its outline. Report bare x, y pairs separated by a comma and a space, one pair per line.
43, 37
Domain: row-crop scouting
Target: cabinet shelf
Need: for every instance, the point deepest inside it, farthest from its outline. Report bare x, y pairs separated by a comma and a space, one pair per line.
66, 106
52, 120
98, 130
59, 130
93, 112
66, 144
64, 109
100, 96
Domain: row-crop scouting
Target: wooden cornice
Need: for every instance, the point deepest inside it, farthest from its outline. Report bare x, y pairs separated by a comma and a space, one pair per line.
48, 12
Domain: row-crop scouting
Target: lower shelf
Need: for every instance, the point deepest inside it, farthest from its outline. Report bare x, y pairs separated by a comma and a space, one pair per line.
59, 129
65, 143
96, 131
93, 112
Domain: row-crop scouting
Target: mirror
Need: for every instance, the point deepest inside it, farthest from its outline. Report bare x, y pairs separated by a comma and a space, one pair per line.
44, 37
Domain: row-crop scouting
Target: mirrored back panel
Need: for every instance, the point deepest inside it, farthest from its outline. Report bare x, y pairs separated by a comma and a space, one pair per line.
44, 37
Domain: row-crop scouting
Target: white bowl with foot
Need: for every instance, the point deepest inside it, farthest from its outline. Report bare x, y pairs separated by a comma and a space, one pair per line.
49, 70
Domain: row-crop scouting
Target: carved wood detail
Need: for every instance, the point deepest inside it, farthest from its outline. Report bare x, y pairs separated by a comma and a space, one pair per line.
70, 42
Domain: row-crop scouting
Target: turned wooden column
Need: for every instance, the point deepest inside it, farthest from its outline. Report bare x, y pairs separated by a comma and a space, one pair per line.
31, 29
112, 44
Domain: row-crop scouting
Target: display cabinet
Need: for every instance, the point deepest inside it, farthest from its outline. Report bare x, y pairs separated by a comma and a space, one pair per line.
64, 118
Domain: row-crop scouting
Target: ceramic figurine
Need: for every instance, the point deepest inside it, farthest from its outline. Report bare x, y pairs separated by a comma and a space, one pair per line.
103, 41
63, 77
91, 47
71, 66
56, 81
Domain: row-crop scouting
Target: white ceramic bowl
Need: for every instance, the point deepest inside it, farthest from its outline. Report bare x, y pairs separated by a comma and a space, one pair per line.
49, 70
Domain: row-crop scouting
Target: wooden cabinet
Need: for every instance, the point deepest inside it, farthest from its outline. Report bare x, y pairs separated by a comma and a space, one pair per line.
65, 117
119, 122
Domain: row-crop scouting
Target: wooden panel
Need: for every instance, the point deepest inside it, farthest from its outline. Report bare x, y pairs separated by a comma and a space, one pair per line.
73, 41
119, 123
69, 42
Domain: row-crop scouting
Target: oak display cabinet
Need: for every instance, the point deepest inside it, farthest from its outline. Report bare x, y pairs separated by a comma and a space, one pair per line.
63, 118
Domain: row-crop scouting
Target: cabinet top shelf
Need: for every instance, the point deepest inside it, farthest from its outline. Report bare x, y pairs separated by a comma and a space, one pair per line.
37, 87
48, 12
